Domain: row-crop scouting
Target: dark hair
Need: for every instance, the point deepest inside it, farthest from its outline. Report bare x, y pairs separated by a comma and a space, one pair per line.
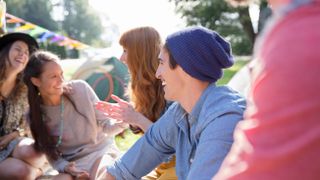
172, 62
44, 142
4, 58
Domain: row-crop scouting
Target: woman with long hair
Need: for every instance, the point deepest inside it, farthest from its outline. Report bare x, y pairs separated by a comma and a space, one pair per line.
141, 47
18, 159
65, 125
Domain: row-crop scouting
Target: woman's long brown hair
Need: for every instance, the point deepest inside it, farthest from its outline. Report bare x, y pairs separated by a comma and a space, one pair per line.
145, 90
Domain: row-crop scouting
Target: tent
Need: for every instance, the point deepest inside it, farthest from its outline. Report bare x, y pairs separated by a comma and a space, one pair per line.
106, 76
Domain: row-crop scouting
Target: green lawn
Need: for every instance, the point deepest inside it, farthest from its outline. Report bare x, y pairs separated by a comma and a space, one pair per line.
228, 73
125, 141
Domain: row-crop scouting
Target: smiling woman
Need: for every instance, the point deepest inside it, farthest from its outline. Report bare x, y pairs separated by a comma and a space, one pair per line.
74, 151
16, 151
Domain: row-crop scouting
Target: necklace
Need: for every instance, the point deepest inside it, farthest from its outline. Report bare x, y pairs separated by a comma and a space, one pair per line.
61, 122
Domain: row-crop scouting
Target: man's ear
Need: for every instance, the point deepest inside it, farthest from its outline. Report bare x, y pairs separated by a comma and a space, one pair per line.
35, 81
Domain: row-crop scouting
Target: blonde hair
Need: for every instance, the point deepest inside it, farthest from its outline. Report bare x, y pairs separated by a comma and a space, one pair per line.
145, 90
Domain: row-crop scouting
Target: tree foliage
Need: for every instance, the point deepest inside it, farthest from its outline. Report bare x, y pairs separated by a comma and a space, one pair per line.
234, 23
34, 11
81, 22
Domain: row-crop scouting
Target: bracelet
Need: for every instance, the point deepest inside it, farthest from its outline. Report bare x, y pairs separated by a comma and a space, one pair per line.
20, 131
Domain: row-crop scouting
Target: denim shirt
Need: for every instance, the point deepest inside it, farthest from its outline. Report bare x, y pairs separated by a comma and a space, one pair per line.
200, 140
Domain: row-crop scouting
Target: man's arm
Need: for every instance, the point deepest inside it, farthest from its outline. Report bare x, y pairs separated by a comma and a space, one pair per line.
150, 150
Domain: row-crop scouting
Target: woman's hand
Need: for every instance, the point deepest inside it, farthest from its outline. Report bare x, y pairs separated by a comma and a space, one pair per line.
75, 172
122, 125
6, 139
123, 112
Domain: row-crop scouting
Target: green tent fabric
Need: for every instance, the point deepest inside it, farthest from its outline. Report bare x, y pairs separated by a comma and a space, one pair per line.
106, 77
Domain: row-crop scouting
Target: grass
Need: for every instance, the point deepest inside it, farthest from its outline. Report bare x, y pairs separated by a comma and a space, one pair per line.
228, 73
126, 140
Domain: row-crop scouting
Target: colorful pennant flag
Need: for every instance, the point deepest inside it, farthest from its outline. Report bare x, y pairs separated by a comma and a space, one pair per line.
42, 34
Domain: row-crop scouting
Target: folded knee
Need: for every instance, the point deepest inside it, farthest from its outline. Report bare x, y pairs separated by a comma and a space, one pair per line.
23, 171
23, 151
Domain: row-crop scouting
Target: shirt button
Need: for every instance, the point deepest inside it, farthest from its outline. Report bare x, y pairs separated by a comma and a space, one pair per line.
191, 160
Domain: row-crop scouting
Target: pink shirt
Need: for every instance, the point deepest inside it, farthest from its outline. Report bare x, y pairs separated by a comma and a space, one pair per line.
280, 138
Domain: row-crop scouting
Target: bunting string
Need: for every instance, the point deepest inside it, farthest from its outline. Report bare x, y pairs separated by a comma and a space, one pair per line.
15, 24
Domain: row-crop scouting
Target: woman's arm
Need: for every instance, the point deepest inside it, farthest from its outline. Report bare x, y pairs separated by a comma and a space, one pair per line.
112, 128
6, 139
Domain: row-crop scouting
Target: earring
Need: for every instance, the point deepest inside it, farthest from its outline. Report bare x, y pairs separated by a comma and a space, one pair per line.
39, 93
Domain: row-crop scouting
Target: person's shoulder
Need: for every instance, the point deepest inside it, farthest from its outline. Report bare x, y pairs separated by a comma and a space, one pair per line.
224, 93
78, 83
174, 107
223, 98
78, 88
221, 101
174, 111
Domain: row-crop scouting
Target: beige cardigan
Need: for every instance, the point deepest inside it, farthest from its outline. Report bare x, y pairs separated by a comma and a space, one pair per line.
87, 134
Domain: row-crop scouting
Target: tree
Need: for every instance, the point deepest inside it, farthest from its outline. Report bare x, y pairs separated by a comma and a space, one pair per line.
234, 23
34, 11
80, 21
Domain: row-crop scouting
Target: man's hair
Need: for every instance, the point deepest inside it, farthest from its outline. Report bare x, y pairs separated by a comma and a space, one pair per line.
172, 61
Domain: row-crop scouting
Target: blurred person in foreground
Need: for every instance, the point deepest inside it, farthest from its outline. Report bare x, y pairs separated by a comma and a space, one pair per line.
198, 127
280, 136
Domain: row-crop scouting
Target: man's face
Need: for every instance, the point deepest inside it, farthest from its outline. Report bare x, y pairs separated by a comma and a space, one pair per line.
172, 79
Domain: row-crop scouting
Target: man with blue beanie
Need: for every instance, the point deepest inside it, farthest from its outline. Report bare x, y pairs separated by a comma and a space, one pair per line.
199, 126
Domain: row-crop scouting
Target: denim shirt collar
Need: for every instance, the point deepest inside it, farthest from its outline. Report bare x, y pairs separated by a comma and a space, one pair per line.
193, 116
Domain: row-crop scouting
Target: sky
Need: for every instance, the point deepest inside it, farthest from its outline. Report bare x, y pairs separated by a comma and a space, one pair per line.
122, 15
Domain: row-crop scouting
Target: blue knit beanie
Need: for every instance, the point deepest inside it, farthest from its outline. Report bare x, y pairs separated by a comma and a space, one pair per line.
202, 53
